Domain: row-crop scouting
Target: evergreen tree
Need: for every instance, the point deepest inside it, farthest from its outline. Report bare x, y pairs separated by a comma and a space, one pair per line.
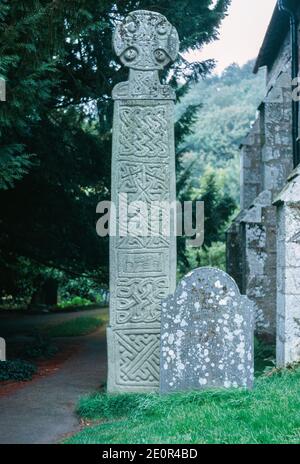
55, 126
210, 153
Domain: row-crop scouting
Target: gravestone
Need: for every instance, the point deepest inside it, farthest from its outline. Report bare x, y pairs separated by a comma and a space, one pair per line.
207, 334
2, 349
142, 267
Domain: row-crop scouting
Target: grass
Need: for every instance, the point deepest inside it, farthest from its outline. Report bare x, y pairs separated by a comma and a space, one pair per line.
74, 327
268, 414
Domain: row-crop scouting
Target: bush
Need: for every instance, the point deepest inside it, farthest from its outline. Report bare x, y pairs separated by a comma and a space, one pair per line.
75, 301
74, 327
17, 370
82, 287
39, 349
213, 256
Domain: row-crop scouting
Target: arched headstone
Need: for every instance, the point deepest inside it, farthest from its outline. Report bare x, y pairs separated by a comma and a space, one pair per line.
207, 334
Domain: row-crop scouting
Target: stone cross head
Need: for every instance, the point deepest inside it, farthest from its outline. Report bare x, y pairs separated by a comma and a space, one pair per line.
146, 41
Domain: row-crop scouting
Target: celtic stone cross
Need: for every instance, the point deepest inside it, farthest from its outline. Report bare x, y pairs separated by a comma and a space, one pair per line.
142, 267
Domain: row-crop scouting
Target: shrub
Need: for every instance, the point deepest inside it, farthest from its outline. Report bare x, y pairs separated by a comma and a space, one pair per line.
16, 370
40, 348
82, 287
75, 301
74, 327
213, 256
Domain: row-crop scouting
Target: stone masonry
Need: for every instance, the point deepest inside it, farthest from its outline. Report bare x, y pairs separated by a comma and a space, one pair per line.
288, 272
266, 162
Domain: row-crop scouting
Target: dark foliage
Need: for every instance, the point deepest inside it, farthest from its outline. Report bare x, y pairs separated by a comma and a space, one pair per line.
16, 370
55, 127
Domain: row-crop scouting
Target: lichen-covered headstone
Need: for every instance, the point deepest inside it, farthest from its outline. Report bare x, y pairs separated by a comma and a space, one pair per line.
207, 334
142, 267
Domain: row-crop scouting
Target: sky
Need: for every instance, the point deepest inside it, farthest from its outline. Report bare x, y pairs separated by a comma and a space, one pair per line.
241, 34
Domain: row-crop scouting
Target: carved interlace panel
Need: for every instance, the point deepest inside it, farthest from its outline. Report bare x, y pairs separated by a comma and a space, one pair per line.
139, 358
145, 182
139, 299
143, 133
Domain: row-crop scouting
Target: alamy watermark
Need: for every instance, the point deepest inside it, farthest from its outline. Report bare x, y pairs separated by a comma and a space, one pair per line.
285, 89
152, 219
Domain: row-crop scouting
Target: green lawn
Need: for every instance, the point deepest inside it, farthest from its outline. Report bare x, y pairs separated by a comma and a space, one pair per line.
74, 327
268, 414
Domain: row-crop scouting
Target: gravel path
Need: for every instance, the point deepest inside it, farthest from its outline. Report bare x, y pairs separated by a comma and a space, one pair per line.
43, 410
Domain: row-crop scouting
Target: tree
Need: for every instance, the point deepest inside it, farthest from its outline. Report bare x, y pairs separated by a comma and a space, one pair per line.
218, 209
228, 106
56, 124
210, 153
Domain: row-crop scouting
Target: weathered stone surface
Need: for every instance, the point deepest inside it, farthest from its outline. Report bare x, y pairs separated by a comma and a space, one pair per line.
207, 334
266, 162
142, 268
251, 172
2, 349
288, 272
